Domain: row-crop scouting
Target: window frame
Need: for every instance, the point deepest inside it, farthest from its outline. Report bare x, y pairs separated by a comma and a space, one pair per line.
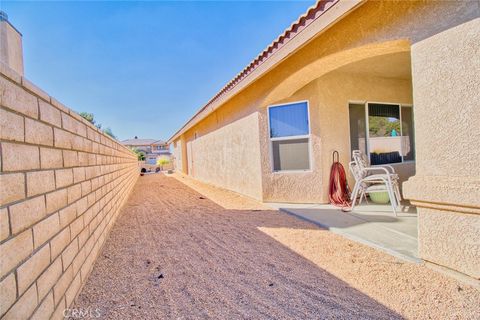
367, 126
307, 136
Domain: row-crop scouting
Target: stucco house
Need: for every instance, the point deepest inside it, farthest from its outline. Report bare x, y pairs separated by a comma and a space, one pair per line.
152, 148
398, 80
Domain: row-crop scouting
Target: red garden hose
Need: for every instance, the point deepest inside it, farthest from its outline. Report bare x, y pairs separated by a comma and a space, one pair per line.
338, 191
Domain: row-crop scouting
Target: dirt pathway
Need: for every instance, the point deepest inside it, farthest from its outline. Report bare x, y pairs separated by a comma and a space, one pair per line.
173, 254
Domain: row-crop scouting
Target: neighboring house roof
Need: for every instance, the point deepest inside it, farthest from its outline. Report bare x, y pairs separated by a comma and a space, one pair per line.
336, 8
141, 142
157, 155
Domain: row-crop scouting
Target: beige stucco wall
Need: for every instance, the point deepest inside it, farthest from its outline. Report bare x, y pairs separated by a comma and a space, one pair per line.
443, 37
11, 51
374, 29
177, 155
328, 99
226, 150
446, 189
229, 156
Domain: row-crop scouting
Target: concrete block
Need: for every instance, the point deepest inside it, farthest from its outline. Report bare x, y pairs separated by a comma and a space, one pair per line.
37, 132
12, 187
46, 229
59, 243
27, 213
76, 227
62, 285
63, 178
86, 187
45, 309
4, 224
35, 89
83, 236
24, 306
57, 104
73, 125
16, 98
50, 114
51, 158
74, 193
82, 205
56, 200
77, 143
39, 182
69, 253
8, 290
78, 174
59, 310
18, 157
83, 159
79, 260
67, 215
48, 279
70, 158
73, 289
10, 73
12, 126
28, 272
63, 139
14, 251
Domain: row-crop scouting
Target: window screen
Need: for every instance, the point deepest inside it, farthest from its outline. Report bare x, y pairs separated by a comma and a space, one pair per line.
290, 154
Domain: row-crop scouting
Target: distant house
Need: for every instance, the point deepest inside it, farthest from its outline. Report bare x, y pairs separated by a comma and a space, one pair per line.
152, 148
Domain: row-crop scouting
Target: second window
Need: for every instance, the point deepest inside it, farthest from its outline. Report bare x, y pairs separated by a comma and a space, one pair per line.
290, 136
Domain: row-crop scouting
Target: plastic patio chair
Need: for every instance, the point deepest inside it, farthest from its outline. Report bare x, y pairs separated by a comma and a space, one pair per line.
361, 161
365, 183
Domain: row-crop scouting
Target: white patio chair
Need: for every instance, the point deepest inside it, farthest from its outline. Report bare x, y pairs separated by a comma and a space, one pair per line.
365, 183
361, 161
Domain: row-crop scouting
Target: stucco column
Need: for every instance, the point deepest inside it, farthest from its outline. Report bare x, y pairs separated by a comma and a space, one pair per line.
183, 150
446, 187
11, 52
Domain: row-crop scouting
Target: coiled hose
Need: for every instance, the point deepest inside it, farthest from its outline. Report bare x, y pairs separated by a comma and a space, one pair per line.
338, 191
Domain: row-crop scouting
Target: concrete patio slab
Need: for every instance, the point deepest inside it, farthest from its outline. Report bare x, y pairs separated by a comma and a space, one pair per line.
373, 225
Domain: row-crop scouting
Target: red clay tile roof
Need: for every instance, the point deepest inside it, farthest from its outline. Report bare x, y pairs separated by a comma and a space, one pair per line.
312, 14
141, 142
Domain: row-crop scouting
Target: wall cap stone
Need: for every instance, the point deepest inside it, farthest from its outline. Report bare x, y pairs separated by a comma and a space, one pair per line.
11, 75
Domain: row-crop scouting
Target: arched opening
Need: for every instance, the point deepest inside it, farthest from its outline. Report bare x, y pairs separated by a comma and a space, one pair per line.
359, 99
326, 64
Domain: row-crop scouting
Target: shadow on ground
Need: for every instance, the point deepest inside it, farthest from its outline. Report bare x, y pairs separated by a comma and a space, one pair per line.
175, 254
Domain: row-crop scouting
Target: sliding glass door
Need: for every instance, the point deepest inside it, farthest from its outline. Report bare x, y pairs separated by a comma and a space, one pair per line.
382, 131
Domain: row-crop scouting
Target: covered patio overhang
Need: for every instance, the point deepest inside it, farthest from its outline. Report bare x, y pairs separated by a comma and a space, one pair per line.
365, 104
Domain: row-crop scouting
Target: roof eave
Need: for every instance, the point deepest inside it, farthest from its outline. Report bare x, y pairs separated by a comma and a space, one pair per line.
333, 14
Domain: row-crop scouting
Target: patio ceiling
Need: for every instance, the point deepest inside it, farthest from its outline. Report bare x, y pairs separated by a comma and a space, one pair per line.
395, 65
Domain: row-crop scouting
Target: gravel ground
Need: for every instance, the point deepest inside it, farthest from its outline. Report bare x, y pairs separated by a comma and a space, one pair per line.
174, 254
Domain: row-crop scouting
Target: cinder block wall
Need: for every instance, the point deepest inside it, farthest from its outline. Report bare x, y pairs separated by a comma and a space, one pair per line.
62, 185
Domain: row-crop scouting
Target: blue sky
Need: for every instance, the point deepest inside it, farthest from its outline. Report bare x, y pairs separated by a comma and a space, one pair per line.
143, 68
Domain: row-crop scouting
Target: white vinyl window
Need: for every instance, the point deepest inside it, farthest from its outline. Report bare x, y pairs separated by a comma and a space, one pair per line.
289, 132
